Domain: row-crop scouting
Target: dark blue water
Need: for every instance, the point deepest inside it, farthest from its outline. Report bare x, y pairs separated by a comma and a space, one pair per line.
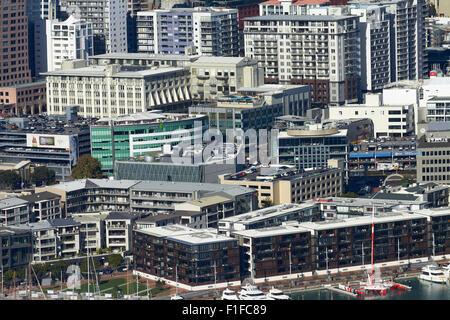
421, 290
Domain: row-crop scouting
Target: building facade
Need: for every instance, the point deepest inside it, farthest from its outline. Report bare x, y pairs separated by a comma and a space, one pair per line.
211, 31
17, 248
44, 205
140, 134
317, 50
14, 47
185, 255
109, 22
212, 77
112, 90
14, 211
68, 40
284, 184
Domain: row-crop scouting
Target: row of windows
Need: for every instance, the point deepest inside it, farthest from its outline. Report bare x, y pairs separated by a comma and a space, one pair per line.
436, 153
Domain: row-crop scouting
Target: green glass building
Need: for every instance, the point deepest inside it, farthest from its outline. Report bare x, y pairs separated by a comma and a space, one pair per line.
140, 134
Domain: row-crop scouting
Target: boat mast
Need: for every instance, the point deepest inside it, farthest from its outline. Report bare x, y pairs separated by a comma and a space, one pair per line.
87, 247
373, 212
176, 280
29, 280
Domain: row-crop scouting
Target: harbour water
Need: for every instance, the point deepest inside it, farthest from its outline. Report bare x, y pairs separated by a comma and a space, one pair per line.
421, 290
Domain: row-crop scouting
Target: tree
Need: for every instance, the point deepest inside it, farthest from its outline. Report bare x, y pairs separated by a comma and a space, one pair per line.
83, 265
43, 175
267, 202
115, 260
59, 266
87, 167
9, 179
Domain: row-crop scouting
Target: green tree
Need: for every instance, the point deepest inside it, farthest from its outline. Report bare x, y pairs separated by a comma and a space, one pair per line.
9, 179
87, 167
83, 265
115, 260
267, 202
43, 175
57, 267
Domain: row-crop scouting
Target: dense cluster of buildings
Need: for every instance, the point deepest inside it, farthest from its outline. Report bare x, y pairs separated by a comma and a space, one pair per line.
229, 134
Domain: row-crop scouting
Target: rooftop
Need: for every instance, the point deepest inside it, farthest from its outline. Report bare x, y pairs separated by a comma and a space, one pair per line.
41, 196
267, 213
360, 221
12, 202
190, 187
143, 56
201, 237
223, 60
276, 172
124, 72
289, 228
279, 17
152, 116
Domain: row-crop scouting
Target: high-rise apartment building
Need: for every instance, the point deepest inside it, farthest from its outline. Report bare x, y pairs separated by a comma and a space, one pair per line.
375, 46
322, 51
211, 31
14, 68
109, 22
408, 37
68, 40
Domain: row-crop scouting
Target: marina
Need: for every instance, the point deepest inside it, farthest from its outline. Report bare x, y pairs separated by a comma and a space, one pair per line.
420, 290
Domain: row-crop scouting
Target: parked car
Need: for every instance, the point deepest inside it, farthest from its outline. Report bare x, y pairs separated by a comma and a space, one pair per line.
105, 271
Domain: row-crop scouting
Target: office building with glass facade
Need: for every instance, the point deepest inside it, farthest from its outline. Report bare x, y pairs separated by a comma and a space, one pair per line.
140, 134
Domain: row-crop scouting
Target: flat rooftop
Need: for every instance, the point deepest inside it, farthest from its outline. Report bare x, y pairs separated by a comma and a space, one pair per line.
201, 237
125, 71
300, 18
268, 213
275, 173
144, 56
291, 228
358, 202
360, 221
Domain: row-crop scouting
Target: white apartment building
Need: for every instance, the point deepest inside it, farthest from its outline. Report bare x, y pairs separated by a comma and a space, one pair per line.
375, 46
119, 226
409, 38
54, 238
113, 90
273, 7
109, 22
215, 76
68, 40
92, 230
322, 51
211, 31
407, 93
388, 120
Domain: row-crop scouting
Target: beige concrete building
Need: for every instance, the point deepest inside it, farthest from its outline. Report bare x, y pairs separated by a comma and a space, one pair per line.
286, 184
112, 90
212, 77
442, 7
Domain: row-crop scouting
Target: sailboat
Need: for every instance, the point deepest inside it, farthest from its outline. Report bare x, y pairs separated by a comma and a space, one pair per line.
176, 296
377, 286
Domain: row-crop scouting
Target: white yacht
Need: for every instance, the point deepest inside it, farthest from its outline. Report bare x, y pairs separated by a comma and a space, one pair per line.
228, 294
433, 274
176, 297
446, 269
251, 292
277, 294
